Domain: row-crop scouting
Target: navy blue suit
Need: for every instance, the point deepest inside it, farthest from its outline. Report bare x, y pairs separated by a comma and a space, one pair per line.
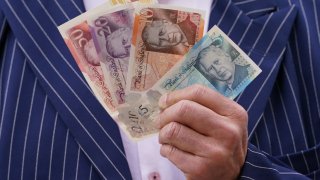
52, 127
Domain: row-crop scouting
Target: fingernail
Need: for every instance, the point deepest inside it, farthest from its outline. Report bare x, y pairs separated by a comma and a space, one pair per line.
163, 101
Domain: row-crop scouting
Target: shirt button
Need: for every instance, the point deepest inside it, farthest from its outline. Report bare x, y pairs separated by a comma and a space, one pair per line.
154, 176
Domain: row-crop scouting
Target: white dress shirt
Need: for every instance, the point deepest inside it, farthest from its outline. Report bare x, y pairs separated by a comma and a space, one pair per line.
144, 159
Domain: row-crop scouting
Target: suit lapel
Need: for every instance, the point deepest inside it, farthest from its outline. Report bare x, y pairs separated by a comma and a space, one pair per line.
263, 38
34, 24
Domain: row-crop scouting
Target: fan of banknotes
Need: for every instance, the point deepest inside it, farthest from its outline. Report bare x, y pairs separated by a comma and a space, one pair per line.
131, 53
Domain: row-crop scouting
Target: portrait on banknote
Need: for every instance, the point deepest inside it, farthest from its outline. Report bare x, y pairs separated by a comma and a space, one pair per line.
118, 43
91, 54
112, 34
161, 37
220, 69
220, 64
116, 30
169, 32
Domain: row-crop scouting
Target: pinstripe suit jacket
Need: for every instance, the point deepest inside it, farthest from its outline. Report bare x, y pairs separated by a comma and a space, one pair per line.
52, 127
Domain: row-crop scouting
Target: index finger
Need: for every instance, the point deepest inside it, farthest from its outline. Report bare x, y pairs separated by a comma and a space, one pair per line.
201, 95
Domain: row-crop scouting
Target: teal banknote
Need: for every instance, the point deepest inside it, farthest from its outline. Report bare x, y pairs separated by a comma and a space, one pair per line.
216, 62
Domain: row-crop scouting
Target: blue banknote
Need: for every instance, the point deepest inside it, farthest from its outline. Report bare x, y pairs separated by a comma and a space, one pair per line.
216, 62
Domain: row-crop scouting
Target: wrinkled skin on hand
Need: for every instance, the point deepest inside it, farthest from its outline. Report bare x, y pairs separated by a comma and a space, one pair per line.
203, 133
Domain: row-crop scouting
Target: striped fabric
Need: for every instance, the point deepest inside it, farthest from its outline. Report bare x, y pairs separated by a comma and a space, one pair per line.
283, 38
52, 127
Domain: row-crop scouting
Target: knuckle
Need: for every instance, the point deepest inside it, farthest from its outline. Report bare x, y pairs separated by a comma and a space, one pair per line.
234, 132
172, 131
171, 151
215, 151
198, 90
184, 106
220, 154
167, 151
240, 113
234, 136
201, 169
210, 149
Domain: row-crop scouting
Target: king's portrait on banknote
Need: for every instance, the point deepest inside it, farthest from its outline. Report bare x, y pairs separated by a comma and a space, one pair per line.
161, 37
112, 32
118, 42
115, 28
220, 69
168, 33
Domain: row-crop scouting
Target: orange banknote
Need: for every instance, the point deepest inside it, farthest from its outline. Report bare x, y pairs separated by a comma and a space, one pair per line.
161, 36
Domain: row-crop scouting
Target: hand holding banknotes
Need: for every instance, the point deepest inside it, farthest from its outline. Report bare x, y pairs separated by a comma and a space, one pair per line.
203, 133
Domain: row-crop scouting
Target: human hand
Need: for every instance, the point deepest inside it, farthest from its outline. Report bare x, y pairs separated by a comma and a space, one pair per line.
203, 133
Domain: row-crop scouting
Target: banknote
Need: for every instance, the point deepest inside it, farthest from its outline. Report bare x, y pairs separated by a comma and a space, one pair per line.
215, 61
112, 33
77, 36
161, 36
137, 116
80, 42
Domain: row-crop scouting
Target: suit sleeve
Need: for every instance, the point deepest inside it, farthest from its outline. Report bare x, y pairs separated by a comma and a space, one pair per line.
259, 165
